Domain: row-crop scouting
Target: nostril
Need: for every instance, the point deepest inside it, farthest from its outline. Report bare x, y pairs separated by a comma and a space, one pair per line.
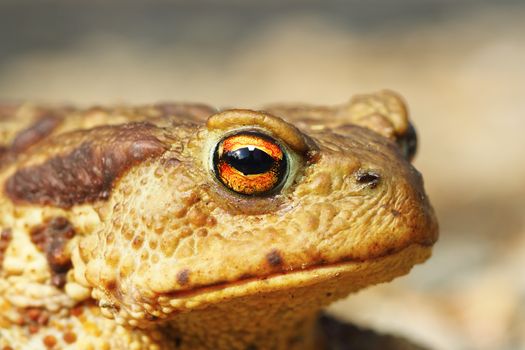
369, 178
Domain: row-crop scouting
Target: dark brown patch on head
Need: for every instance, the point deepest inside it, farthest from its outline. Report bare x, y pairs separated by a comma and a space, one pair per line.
274, 258
52, 238
88, 172
5, 238
183, 277
369, 178
44, 123
36, 132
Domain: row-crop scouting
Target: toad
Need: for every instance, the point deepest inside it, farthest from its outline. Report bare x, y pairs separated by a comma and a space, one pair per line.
179, 226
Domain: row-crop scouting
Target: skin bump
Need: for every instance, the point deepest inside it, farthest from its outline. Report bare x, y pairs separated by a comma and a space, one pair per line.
46, 122
36, 132
274, 258
183, 277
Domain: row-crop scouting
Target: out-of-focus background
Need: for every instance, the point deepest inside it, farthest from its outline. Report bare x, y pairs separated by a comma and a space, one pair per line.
460, 65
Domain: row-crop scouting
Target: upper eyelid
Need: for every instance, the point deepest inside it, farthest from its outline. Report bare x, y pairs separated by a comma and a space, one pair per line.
257, 133
241, 118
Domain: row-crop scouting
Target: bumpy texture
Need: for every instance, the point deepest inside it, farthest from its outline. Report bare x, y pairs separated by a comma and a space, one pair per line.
113, 223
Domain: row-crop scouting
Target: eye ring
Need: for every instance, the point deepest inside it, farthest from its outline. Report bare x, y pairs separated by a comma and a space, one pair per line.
250, 163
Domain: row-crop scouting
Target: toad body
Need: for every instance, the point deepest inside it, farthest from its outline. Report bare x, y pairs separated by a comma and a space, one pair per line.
178, 226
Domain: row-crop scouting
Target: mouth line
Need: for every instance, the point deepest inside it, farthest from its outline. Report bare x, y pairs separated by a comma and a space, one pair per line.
246, 279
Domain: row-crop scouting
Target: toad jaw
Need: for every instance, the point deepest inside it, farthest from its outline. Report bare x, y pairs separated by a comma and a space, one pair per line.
347, 277
278, 311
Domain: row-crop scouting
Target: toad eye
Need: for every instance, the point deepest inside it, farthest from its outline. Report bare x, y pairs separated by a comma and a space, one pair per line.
250, 163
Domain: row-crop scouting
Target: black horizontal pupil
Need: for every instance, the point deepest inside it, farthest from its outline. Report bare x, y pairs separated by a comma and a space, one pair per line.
249, 161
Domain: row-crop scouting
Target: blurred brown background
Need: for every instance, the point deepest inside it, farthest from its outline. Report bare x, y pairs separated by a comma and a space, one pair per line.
460, 65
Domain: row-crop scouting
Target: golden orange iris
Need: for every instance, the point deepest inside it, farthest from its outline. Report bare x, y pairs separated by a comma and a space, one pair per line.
249, 163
